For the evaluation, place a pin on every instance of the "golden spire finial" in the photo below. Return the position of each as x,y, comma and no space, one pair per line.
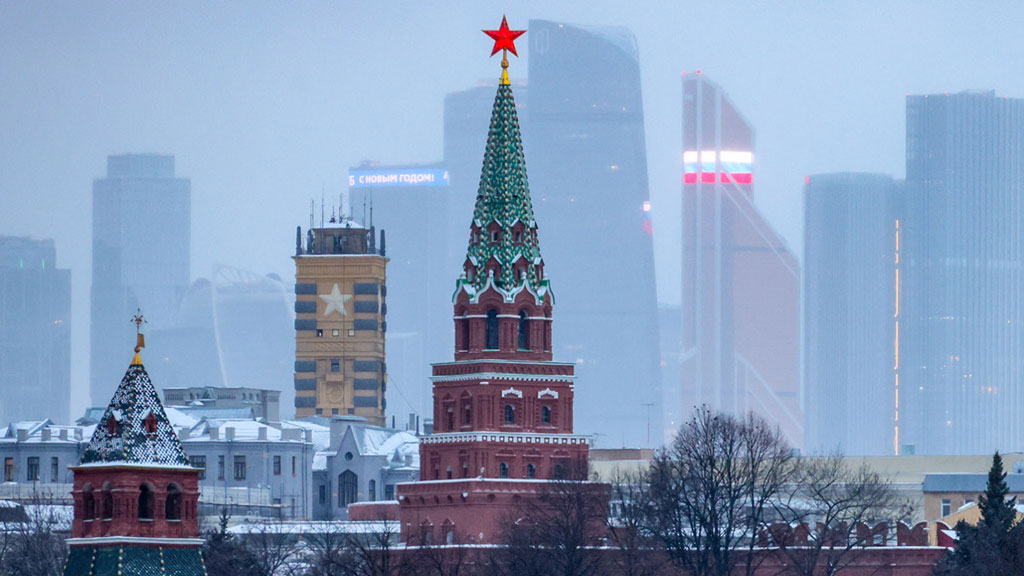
140,338
504,40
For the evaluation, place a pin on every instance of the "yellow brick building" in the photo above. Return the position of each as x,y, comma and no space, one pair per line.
340,309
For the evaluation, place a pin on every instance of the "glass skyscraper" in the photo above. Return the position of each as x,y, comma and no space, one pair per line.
849,308
141,229
740,281
35,332
961,335
585,144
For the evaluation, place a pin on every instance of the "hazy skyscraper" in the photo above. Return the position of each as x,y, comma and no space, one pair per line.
585,144
412,203
740,281
961,337
141,216
849,296
35,332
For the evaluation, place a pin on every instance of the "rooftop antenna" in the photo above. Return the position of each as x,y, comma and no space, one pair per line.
364,207
321,207
311,212
371,209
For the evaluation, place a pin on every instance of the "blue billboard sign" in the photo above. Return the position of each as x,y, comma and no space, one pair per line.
398,177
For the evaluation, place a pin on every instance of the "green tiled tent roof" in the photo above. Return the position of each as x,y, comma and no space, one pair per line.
129,560
503,198
134,401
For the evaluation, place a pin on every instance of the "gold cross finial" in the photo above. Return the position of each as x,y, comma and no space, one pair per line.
140,339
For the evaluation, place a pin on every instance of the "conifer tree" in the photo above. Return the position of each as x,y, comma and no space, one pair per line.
996,545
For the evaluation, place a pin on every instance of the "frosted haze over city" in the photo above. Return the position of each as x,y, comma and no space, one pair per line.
266,107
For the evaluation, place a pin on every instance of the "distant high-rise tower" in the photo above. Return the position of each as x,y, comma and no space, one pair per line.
740,281
141,225
584,127
850,312
412,204
961,337
35,332
340,308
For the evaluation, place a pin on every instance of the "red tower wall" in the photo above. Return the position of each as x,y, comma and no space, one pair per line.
124,484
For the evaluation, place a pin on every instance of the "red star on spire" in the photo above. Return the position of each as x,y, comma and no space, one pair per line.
504,39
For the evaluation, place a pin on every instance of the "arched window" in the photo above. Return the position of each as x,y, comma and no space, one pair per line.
503,469
172,506
107,502
373,490
348,488
448,473
467,413
556,472
465,470
510,414
531,471
88,503
545,415
524,331
492,330
450,417
145,502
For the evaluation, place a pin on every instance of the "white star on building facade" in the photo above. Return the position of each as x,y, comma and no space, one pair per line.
335,301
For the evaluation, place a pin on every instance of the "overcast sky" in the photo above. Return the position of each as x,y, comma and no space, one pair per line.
265,104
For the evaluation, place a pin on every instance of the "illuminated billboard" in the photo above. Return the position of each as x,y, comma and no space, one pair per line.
397,177
736,166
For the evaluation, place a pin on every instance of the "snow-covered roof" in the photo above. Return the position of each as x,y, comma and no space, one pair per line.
321,434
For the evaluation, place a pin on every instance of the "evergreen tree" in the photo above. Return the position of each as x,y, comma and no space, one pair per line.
997,511
225,555
996,545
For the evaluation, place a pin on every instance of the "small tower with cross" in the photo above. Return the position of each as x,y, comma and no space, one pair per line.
135,495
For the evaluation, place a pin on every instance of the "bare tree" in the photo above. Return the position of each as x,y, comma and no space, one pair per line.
710,489
629,529
339,551
557,531
822,510
273,548
448,559
766,466
35,546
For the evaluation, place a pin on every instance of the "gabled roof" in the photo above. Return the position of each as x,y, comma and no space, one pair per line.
121,436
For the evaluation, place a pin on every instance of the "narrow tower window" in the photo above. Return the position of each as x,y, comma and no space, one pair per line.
510,414
145,502
172,508
492,329
545,415
88,503
503,470
524,331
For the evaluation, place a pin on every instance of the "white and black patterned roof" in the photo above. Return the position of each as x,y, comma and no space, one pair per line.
122,437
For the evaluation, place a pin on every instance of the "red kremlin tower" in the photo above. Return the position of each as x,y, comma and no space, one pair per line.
503,421
135,494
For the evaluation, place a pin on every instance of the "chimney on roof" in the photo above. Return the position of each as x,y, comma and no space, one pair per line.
47,434
229,433
214,432
411,426
78,433
22,434
183,433
63,434
261,435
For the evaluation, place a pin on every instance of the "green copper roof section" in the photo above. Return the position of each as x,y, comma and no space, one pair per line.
122,437
132,560
502,201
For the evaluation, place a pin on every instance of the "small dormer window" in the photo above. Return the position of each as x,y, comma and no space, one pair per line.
495,236
518,236
150,424
113,426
